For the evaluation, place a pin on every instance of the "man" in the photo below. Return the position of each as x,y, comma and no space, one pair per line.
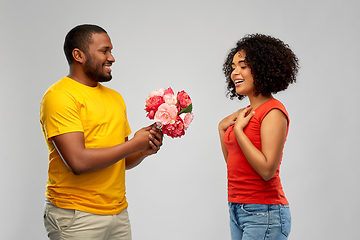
86,130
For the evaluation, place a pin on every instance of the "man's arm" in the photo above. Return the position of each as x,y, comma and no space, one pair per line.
71,147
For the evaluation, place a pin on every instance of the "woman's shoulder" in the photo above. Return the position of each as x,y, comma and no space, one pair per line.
271,104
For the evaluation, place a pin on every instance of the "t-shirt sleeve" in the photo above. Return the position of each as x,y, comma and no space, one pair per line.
59,113
127,125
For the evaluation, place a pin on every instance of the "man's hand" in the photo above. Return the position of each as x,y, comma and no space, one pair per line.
142,138
156,139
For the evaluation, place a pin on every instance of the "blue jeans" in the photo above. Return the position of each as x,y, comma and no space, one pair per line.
258,221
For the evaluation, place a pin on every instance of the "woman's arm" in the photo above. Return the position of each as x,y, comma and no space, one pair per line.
223,148
273,134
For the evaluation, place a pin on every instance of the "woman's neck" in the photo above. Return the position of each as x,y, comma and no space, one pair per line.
256,101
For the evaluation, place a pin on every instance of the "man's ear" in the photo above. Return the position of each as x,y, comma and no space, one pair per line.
78,55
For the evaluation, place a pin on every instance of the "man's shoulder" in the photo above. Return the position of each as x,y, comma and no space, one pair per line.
111,91
61,84
104,88
61,91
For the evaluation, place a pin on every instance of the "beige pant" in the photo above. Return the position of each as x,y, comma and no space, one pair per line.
68,224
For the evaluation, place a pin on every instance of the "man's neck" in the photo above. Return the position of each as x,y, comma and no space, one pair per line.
83,79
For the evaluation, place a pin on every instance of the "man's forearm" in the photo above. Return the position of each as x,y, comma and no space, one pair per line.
134,159
81,160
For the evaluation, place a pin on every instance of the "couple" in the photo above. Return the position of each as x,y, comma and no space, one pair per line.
86,130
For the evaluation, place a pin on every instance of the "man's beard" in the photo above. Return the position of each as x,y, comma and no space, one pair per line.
94,72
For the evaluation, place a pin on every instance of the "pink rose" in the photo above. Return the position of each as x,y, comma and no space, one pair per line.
169,96
169,91
166,114
164,106
151,114
158,92
153,103
170,99
187,119
184,100
174,130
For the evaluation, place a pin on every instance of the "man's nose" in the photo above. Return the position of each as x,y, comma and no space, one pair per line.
111,58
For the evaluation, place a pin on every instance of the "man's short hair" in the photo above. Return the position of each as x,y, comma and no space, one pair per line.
80,37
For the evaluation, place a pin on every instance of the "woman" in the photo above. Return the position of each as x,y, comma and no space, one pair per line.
253,138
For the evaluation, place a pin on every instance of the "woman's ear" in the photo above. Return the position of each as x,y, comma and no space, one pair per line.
78,55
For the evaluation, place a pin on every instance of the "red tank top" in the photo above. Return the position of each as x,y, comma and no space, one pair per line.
245,185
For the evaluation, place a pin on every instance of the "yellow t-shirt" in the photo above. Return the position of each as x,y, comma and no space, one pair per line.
100,113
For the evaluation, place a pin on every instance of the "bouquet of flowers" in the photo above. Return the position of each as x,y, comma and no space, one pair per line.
172,113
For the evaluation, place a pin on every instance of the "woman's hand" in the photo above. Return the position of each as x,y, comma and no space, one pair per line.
243,118
229,120
225,124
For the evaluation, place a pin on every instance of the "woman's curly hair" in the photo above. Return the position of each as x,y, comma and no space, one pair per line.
273,65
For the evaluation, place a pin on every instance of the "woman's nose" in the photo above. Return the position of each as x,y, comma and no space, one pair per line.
236,70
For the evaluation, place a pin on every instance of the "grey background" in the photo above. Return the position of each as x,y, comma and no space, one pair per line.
181,192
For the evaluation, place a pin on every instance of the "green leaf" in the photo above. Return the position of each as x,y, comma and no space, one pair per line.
188,109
